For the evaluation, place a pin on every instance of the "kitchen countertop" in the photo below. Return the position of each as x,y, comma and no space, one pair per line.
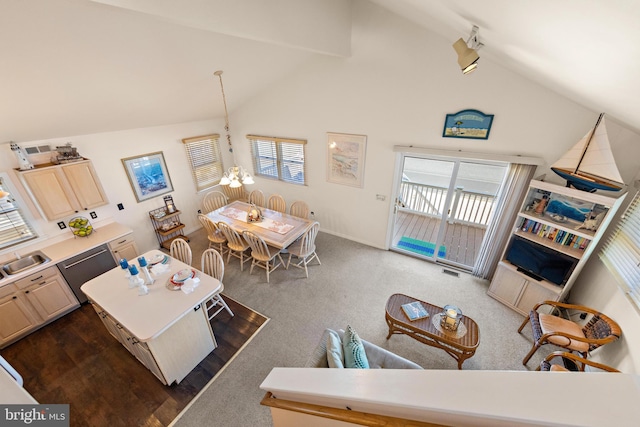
70,247
148,316
11,392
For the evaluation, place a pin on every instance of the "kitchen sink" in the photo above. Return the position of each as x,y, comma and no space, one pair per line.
25,262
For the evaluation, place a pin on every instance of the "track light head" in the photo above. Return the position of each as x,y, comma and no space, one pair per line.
467,55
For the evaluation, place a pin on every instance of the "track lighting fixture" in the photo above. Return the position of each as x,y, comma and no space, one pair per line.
467,51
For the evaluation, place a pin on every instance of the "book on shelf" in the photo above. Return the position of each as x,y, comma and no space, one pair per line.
414,310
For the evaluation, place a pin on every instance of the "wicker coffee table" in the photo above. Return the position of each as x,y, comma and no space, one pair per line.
461,344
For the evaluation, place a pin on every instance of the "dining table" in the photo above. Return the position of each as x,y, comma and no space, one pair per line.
276,228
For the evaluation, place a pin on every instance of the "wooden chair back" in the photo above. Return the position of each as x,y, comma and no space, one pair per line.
181,251
238,193
299,209
214,200
257,198
259,248
308,245
276,203
212,264
235,242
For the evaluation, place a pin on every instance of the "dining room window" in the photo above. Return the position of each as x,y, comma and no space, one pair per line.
205,160
14,225
279,158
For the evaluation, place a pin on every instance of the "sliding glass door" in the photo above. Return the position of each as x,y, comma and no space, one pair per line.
443,207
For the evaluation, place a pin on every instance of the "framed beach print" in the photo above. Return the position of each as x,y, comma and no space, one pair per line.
148,175
345,158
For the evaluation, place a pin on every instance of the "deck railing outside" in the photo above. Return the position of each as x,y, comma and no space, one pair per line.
468,207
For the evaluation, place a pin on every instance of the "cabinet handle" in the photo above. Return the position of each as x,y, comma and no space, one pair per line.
26,292
14,297
121,242
37,278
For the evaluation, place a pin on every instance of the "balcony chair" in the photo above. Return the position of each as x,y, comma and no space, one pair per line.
551,329
181,250
216,237
299,209
213,265
276,203
214,200
236,245
580,363
264,256
257,198
305,249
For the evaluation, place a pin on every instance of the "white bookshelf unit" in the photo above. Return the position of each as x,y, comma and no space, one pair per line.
559,229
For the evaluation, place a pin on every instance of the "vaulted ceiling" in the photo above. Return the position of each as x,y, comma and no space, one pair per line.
72,67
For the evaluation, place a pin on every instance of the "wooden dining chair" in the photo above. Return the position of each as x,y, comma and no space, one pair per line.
276,203
257,198
305,249
214,200
212,264
299,209
216,238
181,250
236,244
238,193
264,256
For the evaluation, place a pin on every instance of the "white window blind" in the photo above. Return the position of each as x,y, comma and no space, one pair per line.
621,253
205,159
14,228
279,158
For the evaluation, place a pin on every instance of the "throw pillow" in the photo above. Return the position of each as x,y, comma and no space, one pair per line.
335,357
354,355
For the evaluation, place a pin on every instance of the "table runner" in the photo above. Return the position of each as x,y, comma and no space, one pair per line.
267,223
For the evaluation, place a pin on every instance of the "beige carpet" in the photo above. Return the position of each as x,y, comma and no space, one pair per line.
350,287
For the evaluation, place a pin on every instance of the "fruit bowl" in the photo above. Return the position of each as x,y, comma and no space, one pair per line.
80,226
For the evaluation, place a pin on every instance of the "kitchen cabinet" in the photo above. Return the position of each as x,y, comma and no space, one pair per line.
64,190
32,302
16,317
556,231
124,247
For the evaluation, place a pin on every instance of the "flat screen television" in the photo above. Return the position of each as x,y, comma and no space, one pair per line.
540,262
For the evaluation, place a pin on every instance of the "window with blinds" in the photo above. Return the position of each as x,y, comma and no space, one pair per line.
279,158
621,253
14,227
205,160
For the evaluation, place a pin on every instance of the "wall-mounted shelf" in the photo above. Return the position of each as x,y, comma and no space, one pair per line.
167,226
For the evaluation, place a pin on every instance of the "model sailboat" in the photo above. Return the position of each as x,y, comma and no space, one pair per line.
589,165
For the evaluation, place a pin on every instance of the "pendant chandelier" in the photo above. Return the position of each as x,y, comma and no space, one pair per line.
235,176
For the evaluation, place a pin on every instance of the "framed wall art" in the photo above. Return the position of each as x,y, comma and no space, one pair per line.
345,158
148,175
472,124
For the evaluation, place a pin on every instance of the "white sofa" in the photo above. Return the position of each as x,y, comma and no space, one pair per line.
378,357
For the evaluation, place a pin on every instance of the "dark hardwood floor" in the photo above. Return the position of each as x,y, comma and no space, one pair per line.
75,360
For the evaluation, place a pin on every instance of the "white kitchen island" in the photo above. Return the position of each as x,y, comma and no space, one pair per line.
168,331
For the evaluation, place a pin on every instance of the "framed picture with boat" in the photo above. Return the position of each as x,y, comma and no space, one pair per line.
148,175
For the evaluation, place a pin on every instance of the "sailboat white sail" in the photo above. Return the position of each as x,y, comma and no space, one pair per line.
589,165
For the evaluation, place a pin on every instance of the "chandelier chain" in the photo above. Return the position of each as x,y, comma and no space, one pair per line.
226,114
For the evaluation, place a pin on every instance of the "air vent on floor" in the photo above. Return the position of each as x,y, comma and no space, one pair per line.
451,272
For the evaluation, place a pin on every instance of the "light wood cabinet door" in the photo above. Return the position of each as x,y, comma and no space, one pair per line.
51,297
52,192
124,247
64,190
16,318
86,186
506,285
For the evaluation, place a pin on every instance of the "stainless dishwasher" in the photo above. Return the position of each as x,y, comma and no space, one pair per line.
84,267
